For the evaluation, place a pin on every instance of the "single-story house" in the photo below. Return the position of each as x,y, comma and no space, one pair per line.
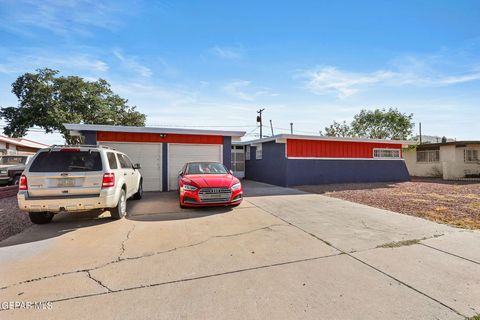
449,160
285,160
161,151
21,146
290,160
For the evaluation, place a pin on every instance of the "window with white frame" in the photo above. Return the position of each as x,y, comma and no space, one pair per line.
428,156
247,153
258,152
386,153
471,155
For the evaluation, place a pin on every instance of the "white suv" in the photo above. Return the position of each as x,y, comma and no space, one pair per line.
78,178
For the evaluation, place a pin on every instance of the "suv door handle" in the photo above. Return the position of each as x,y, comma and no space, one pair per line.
125,174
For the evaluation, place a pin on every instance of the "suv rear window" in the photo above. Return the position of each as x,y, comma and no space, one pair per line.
67,161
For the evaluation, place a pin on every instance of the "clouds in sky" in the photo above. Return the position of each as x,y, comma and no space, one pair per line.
412,71
231,53
132,64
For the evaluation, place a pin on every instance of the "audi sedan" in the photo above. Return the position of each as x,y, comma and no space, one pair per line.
208,184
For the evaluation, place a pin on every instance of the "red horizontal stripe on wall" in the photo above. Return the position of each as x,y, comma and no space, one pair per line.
155,137
334,149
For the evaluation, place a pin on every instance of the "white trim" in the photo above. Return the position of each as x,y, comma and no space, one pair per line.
101,127
387,149
320,158
282,138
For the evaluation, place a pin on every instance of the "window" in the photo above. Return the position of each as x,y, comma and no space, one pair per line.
124,161
258,152
112,160
471,155
67,161
386,153
12,160
247,153
428,156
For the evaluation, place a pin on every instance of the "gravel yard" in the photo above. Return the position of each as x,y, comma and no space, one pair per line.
455,203
12,220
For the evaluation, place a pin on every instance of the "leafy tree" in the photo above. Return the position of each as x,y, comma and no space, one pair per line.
48,100
376,124
382,124
338,129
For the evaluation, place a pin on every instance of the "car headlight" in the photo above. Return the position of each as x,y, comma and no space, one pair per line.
236,186
189,187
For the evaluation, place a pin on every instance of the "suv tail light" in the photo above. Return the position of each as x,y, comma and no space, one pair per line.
22,184
108,180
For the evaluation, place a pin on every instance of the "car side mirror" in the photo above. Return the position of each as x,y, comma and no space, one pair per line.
231,172
180,173
137,166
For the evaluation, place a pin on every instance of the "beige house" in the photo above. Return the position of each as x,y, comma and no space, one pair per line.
14,146
449,160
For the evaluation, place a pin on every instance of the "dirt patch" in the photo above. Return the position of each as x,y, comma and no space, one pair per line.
454,203
12,220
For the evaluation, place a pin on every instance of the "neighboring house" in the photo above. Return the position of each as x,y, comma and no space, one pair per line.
13,146
449,160
291,160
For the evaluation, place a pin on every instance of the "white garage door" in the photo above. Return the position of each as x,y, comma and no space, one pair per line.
179,154
149,155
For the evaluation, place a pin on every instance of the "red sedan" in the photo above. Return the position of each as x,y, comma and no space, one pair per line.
208,184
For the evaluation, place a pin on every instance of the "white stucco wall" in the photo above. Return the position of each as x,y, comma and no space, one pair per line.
420,169
451,164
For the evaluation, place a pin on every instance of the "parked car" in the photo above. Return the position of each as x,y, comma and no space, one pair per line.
78,178
208,184
11,168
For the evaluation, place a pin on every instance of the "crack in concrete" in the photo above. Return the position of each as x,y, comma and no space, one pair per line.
120,259
100,283
194,278
361,261
449,253
406,242
124,242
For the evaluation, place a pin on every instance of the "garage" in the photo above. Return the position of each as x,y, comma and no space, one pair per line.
161,152
179,154
149,155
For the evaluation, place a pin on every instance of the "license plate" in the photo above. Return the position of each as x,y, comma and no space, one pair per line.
212,196
66,182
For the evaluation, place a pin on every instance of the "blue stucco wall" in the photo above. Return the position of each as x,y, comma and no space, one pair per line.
90,137
227,152
271,168
305,172
274,168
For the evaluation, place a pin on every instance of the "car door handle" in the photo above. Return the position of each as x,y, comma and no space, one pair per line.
125,174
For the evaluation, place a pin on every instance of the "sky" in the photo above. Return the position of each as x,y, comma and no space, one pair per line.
212,64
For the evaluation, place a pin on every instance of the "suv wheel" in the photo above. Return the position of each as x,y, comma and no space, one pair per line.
120,210
40,217
139,194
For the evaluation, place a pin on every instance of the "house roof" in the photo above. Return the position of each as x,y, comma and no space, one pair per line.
111,128
281,138
23,142
426,146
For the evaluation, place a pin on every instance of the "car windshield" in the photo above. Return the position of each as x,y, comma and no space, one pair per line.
12,160
67,161
206,168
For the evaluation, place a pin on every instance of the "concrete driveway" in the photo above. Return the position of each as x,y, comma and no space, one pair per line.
282,254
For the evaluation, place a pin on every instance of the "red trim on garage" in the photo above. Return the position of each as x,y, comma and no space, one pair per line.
155,137
334,149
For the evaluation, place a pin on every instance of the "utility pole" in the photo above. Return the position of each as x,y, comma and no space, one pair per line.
420,129
271,127
259,119
291,127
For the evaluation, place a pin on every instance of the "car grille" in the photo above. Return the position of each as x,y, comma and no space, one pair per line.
214,194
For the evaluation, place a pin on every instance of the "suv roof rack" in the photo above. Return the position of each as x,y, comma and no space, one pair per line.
80,146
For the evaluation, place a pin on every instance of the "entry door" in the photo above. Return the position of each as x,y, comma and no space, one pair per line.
149,155
179,154
238,161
